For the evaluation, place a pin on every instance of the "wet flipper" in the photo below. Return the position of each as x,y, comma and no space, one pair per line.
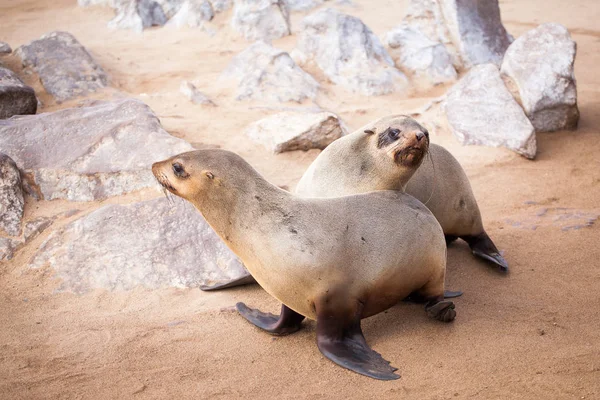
289,321
482,246
441,310
233,283
343,342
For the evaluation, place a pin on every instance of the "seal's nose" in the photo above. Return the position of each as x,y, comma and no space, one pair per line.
420,135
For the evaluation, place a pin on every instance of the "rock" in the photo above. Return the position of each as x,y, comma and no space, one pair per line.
137,15
263,72
5,48
34,227
481,110
154,243
193,13
170,7
7,249
260,19
64,66
197,97
349,53
302,5
221,5
539,64
417,55
88,153
87,3
16,98
476,29
288,131
11,196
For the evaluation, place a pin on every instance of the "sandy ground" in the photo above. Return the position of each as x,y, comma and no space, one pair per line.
532,334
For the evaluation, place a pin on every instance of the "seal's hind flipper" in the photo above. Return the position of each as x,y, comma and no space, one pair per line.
288,322
342,341
236,282
482,246
449,294
441,310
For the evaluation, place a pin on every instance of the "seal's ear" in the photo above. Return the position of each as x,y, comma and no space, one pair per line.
369,131
210,175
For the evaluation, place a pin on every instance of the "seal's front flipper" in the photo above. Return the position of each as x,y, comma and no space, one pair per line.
345,345
482,246
441,310
449,294
288,322
233,283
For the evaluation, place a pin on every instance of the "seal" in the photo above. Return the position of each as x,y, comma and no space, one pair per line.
356,163
333,260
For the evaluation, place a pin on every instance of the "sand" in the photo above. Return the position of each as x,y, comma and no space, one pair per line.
534,334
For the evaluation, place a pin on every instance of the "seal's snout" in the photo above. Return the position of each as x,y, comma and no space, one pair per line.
421,134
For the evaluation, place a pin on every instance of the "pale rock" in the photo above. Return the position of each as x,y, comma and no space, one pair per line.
220,6
5,48
288,131
482,111
16,98
137,15
170,7
265,73
35,227
417,55
154,244
539,64
88,153
476,29
349,53
11,196
302,5
193,14
7,249
64,66
197,97
261,19
87,3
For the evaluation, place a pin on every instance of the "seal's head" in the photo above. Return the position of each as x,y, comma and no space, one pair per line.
192,174
398,144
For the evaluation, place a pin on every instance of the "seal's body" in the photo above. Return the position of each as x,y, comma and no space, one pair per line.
334,260
351,165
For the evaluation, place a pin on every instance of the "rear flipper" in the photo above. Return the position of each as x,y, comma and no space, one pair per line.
289,321
442,310
233,283
482,246
340,339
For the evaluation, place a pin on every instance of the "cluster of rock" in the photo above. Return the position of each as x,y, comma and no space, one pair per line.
534,90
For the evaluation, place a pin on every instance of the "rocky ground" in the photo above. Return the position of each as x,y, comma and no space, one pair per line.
99,275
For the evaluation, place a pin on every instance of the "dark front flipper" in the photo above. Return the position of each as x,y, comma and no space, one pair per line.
288,322
449,294
224,285
342,341
416,297
441,310
482,246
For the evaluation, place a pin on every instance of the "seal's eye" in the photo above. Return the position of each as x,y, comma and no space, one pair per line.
394,133
179,171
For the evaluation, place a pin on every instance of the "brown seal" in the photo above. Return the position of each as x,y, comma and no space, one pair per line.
356,163
334,260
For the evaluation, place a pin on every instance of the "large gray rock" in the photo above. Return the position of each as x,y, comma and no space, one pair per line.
261,19
193,13
16,98
348,52
482,111
288,131
137,15
221,5
476,29
419,56
88,153
5,48
265,73
11,197
539,64
64,66
156,243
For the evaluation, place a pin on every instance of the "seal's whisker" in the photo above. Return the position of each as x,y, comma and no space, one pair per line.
434,176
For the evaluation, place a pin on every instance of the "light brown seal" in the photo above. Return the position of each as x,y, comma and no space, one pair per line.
334,260
357,163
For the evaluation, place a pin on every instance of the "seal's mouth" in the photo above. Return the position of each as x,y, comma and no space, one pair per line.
162,179
410,155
